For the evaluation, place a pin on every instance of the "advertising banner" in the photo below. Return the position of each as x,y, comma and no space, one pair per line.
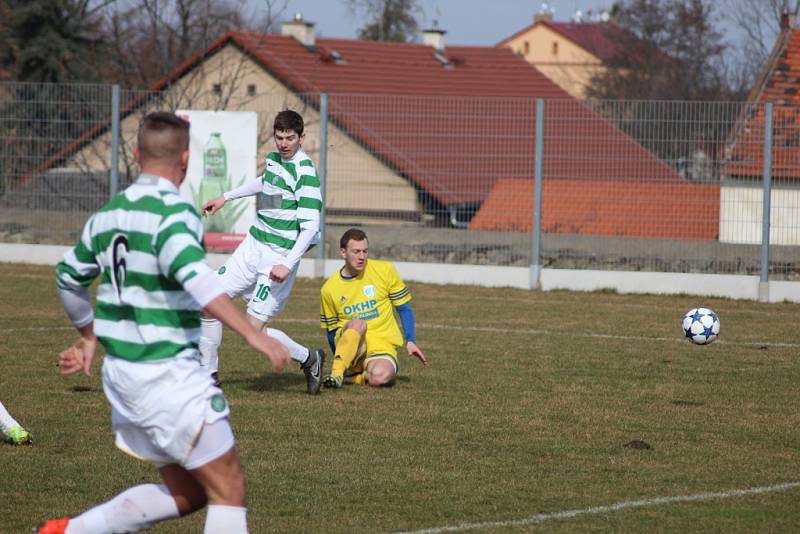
222,157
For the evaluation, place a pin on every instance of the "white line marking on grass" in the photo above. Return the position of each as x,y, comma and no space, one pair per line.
495,330
655,501
573,333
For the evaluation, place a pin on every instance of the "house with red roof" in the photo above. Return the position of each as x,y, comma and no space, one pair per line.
569,53
778,83
417,131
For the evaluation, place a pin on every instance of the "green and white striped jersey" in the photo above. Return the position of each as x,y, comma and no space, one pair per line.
145,244
291,201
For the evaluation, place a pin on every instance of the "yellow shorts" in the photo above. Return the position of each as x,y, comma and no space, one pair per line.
370,348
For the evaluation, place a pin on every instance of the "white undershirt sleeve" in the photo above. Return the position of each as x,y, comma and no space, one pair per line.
253,187
304,240
78,305
204,288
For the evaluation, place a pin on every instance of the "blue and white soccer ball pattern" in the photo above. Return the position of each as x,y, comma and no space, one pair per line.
701,326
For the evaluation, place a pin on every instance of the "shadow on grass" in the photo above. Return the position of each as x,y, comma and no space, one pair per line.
84,389
681,402
288,382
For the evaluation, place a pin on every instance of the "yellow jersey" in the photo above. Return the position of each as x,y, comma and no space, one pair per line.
370,296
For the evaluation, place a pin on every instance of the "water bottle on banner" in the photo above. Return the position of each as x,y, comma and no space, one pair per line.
215,180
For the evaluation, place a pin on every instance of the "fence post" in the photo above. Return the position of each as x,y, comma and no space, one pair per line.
763,284
114,177
536,230
319,265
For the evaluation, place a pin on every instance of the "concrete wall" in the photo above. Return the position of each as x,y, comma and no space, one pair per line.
716,285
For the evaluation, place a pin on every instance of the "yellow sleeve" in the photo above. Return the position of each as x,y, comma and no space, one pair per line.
328,316
398,291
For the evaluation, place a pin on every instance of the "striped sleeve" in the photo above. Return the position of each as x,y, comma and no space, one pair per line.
79,266
308,195
328,317
398,290
178,244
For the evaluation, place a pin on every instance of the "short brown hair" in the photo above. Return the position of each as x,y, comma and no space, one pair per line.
162,136
288,120
354,234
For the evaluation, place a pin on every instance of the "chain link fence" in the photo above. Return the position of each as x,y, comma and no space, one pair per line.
642,186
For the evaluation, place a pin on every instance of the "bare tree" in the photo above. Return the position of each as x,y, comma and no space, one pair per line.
669,64
665,50
150,38
756,24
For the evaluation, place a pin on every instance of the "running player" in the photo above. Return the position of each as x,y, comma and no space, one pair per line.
146,246
263,267
357,308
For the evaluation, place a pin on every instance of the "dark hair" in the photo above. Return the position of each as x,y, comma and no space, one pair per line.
288,120
354,234
162,135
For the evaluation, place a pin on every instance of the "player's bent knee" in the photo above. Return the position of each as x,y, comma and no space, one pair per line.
380,377
381,381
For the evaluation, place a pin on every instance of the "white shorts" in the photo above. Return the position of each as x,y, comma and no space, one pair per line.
246,275
159,408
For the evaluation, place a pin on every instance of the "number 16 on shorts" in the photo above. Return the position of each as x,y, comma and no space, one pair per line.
261,293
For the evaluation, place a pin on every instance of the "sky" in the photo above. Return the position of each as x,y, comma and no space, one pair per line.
467,22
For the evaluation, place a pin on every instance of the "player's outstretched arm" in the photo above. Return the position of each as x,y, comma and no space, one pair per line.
253,187
222,308
409,329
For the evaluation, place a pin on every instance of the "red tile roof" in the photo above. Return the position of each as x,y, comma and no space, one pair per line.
372,67
668,210
778,83
447,128
602,39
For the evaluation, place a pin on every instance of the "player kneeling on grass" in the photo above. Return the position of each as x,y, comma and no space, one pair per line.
357,307
146,246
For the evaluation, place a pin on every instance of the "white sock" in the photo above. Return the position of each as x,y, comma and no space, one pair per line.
225,519
135,509
6,421
210,340
298,352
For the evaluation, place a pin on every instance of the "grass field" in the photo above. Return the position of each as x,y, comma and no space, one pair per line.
519,424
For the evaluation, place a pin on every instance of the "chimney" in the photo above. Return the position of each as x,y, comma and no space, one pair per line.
545,12
434,36
787,21
300,29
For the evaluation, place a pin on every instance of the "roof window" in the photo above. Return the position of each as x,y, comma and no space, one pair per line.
446,63
337,58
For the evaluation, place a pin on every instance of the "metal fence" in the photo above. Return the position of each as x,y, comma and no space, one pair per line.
613,185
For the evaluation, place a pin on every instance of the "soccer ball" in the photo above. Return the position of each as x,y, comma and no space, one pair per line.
701,326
